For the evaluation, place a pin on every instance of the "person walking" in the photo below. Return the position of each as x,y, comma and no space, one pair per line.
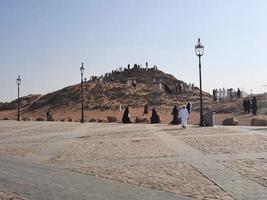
126,116
154,119
183,114
175,113
189,106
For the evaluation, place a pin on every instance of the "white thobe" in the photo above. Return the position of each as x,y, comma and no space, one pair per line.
183,114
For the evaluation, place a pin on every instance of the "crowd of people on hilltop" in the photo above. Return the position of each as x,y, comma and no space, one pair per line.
250,105
175,89
229,94
179,117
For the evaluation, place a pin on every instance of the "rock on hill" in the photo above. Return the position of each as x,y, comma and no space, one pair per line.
113,92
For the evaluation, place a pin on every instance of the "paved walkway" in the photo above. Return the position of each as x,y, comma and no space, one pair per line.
233,183
35,181
206,150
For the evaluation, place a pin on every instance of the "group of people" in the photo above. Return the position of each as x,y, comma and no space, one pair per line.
179,117
154,119
49,116
226,94
182,116
249,105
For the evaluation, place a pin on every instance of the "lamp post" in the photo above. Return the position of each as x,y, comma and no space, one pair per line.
18,81
82,71
199,49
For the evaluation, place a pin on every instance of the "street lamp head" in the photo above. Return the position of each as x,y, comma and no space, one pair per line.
18,80
82,69
199,48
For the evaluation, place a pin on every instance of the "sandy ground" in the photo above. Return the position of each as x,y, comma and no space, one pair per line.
162,157
9,196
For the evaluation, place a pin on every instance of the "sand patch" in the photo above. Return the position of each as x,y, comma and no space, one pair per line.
231,144
112,150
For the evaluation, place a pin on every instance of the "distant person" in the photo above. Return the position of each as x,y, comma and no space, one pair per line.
223,92
214,94
48,116
183,114
254,106
154,81
248,105
154,119
145,109
220,94
245,105
134,83
238,93
126,116
175,113
189,106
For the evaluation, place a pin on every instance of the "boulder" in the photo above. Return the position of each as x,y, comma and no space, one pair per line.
50,119
230,122
69,119
102,120
92,120
258,122
111,119
39,119
141,120
25,119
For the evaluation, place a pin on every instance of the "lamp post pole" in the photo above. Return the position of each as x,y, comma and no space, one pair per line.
82,111
201,123
199,48
18,80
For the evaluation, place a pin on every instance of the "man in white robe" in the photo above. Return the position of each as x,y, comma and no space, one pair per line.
183,114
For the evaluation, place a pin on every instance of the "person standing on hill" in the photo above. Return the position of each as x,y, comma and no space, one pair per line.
254,106
175,113
189,106
126,116
183,114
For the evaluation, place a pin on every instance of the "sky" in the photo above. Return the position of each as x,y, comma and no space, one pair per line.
46,41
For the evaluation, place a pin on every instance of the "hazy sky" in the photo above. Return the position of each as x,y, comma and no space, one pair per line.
46,41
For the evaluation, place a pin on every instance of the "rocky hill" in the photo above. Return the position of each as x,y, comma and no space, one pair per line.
110,91
25,101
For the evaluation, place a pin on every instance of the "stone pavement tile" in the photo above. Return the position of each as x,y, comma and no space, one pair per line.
233,183
255,169
35,181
